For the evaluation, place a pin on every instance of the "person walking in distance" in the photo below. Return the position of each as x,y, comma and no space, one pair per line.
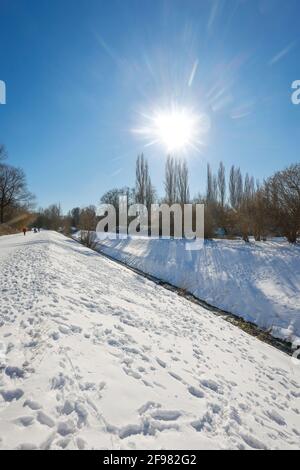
24,230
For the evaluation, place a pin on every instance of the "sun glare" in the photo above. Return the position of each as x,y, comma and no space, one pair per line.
176,129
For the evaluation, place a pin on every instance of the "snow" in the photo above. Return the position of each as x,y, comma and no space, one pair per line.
259,282
98,357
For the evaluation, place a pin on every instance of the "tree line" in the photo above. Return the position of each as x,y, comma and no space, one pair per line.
270,208
236,205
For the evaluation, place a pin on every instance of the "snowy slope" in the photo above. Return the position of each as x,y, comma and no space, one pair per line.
99,357
258,281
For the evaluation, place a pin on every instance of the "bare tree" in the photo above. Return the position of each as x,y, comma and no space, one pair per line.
232,188
144,190
210,185
261,215
171,181
53,217
222,184
249,188
87,225
215,189
142,179
239,187
246,207
183,189
150,194
236,187
13,189
282,193
113,196
75,216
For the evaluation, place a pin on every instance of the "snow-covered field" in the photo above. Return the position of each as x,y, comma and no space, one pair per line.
258,281
98,357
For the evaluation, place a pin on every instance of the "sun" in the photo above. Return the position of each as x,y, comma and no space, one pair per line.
177,129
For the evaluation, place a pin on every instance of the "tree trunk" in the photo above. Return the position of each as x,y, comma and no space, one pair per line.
1,213
292,236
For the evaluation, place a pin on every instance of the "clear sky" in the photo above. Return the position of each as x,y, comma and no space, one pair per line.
81,74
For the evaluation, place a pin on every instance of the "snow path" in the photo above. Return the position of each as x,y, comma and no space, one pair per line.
99,357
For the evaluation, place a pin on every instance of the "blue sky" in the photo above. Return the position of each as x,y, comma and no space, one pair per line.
80,74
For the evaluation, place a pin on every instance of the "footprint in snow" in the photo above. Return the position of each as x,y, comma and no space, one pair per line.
64,330
212,385
11,395
166,415
161,363
25,421
196,392
175,376
148,406
132,373
252,442
63,443
65,428
33,405
274,416
14,372
46,420
27,446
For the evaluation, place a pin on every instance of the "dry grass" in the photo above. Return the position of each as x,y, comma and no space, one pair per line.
6,230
